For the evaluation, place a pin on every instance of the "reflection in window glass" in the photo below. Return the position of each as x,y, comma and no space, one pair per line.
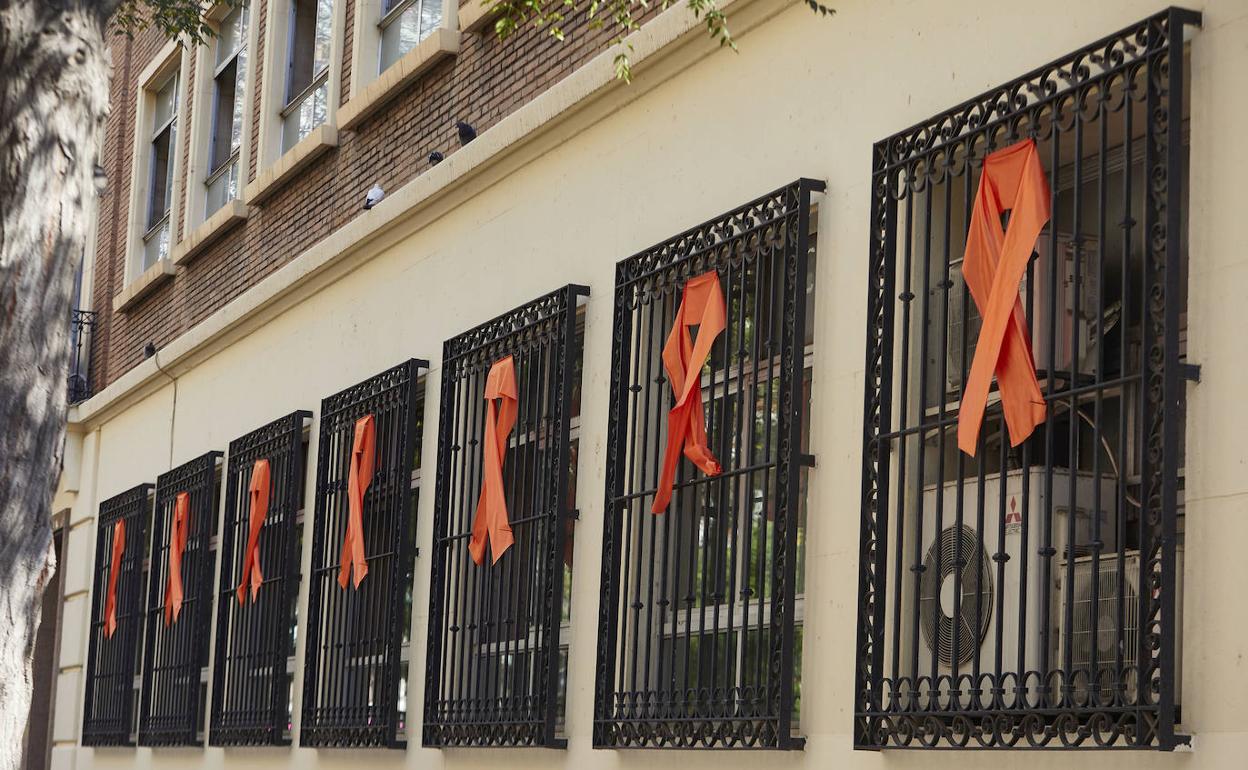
228,87
307,83
404,23
160,181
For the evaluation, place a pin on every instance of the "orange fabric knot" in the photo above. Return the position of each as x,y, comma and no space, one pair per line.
178,531
114,570
491,517
1012,180
363,458
258,497
701,305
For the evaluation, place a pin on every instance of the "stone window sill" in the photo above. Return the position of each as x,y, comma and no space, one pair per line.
213,227
144,284
474,14
293,161
389,84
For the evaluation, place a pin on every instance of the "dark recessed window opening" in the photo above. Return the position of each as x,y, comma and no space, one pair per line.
503,528
702,596
1025,593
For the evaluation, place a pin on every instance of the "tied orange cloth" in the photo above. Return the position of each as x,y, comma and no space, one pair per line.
177,546
258,495
363,457
701,305
114,570
995,262
491,517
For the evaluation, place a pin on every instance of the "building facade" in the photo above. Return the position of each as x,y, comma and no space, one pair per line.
445,405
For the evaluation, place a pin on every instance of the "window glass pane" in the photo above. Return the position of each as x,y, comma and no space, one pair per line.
232,35
402,34
161,176
300,122
324,22
166,104
221,188
225,105
156,246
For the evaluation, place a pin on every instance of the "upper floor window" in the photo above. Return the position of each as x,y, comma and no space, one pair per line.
229,77
162,148
404,23
1023,457
307,76
702,601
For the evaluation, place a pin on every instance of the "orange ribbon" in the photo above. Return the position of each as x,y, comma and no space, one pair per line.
177,546
114,570
491,517
701,305
363,457
258,494
995,262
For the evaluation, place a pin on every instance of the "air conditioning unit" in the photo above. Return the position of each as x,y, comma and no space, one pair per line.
1095,598
1071,305
977,593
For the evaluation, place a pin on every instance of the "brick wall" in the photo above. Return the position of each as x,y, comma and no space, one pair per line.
484,82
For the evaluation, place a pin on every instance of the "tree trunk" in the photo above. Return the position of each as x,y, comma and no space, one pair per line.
54,72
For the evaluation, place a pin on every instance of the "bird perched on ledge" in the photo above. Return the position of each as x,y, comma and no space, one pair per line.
466,132
374,196
435,158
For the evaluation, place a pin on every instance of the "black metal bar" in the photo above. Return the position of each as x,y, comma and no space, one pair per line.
81,326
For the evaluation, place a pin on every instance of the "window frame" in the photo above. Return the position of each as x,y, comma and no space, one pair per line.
171,61
277,164
371,86
203,226
133,506
890,712
547,328
654,278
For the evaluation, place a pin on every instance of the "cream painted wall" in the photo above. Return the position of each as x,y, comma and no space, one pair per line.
699,135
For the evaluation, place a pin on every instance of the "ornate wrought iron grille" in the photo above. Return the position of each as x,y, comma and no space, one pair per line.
171,711
494,661
697,644
1033,594
354,687
81,323
108,707
251,684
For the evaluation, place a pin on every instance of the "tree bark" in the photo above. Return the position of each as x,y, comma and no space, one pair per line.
54,73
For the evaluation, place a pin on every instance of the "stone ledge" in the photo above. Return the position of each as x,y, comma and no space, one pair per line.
144,284
440,44
294,160
213,227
